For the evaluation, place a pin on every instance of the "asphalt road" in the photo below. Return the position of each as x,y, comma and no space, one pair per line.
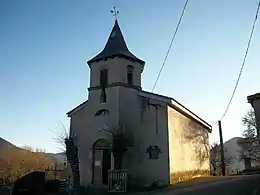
245,185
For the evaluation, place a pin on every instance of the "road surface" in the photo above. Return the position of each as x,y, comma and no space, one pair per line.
235,185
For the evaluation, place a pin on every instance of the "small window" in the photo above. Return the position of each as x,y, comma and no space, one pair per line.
103,97
130,74
103,77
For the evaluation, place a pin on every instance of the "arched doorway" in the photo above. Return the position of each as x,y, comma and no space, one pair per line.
101,161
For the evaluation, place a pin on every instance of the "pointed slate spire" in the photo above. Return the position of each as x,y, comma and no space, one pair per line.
115,47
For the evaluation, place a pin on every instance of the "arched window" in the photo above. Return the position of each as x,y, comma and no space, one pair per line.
101,144
130,70
102,112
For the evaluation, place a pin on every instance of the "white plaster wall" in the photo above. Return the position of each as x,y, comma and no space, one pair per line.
188,146
117,71
232,151
155,169
144,170
86,126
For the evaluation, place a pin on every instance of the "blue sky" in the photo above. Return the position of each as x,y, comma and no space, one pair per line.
44,46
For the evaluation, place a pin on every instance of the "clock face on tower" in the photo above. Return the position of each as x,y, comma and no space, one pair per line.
113,34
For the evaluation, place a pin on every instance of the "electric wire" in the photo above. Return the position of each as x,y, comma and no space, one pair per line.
173,38
243,64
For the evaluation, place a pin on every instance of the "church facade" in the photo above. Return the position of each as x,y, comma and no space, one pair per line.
170,143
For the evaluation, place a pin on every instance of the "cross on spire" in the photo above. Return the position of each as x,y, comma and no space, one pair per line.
114,12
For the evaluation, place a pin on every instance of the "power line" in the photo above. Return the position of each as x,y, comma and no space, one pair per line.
173,38
243,63
214,123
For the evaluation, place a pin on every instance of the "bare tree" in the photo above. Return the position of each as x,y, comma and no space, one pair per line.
66,144
250,145
121,139
60,137
16,162
200,139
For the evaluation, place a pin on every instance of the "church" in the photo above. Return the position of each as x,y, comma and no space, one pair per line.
169,142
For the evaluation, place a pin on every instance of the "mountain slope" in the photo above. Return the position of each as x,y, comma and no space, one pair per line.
58,157
5,143
16,161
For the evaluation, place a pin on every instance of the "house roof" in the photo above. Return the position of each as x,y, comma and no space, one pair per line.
176,105
252,98
168,100
76,109
115,47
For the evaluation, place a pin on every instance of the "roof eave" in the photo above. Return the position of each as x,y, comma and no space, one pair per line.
113,56
252,98
76,109
195,117
173,103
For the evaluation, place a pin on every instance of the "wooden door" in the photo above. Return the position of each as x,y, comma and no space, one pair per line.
97,166
106,165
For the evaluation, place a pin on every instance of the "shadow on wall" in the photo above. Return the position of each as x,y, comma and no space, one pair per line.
199,139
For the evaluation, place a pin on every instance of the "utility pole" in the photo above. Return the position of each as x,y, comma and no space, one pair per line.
223,167
55,170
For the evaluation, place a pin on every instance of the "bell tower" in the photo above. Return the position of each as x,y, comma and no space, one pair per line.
114,66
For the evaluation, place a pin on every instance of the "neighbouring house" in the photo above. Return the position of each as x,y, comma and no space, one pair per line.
236,159
170,141
239,159
232,156
254,100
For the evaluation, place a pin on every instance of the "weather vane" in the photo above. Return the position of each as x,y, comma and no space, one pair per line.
114,12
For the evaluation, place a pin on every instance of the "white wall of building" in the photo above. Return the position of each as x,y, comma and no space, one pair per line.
233,151
188,147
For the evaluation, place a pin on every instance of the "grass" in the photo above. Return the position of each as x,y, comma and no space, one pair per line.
179,176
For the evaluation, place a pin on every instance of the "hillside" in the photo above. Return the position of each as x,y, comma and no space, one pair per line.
16,161
59,157
4,145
